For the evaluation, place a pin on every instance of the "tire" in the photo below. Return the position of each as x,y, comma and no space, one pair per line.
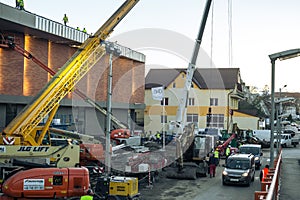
248,184
223,182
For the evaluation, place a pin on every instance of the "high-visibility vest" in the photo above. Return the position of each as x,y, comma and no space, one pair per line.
86,197
21,3
265,172
227,151
216,154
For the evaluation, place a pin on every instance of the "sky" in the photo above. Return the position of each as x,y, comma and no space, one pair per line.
165,31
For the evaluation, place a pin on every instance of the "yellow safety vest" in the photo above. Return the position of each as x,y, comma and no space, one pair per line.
86,197
227,151
216,154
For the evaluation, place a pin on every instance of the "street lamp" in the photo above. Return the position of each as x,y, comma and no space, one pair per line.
279,119
113,51
292,53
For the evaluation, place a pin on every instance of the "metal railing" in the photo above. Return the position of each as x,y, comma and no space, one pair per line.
59,29
270,186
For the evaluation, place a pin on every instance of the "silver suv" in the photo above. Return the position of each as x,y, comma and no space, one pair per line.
239,169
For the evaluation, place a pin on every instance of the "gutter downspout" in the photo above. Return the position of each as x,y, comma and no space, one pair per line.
228,95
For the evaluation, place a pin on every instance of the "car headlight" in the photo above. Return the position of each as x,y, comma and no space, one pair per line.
256,158
245,174
225,173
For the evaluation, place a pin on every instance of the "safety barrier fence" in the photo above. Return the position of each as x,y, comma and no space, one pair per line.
59,29
270,186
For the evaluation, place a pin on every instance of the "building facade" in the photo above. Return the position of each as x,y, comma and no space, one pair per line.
53,44
212,102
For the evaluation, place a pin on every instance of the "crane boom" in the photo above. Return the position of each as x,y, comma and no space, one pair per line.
181,111
64,80
11,44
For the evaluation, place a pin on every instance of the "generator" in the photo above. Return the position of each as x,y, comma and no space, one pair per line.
117,187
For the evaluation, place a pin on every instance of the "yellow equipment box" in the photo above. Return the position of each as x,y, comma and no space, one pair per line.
123,186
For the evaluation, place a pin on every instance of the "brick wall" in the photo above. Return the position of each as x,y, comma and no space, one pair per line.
11,68
15,74
34,76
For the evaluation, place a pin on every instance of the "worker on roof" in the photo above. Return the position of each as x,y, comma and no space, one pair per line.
21,4
65,19
88,196
84,30
17,4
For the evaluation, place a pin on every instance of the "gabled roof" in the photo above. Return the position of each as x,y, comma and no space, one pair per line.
205,78
161,77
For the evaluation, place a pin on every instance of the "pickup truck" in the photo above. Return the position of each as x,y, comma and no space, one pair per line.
286,140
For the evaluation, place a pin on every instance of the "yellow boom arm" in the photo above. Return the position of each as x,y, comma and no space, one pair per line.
64,80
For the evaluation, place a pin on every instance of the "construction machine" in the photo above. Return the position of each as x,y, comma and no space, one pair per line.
185,133
22,139
66,183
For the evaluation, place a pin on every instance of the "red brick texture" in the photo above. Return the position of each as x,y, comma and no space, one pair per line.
17,72
11,69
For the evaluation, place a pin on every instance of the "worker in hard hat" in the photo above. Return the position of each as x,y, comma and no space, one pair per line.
227,153
212,163
65,19
21,4
217,155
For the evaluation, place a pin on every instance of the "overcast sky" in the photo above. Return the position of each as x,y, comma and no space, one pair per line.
259,28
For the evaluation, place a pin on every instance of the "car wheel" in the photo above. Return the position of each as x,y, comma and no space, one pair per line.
223,182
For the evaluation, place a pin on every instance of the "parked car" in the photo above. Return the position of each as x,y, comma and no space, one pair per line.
239,169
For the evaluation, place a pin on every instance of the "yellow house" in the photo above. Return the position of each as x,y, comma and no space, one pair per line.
212,102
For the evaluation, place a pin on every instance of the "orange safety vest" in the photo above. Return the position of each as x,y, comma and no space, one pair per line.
265,172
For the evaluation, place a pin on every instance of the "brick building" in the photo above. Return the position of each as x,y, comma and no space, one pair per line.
53,44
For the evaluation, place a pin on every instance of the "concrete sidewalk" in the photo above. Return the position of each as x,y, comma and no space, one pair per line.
290,175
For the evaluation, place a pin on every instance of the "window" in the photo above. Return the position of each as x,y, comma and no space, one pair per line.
78,183
57,180
191,102
166,99
163,119
192,118
174,85
213,102
11,112
215,121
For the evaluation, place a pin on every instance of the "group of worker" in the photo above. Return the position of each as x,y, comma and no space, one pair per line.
20,4
214,162
214,159
66,20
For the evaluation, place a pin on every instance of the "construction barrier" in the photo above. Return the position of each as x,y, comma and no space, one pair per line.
270,186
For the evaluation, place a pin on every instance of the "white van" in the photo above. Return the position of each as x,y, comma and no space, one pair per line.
264,135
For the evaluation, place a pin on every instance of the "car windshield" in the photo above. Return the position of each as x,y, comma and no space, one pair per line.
238,164
248,150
